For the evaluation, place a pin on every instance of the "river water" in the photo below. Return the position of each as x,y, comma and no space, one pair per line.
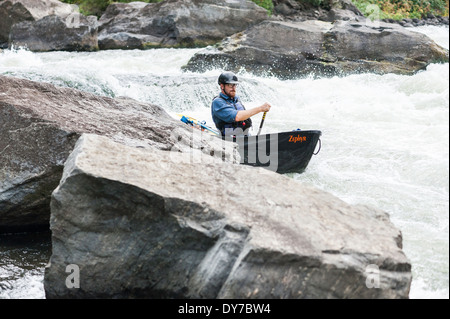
385,141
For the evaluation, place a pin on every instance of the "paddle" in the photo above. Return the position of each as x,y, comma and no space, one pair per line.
262,122
192,121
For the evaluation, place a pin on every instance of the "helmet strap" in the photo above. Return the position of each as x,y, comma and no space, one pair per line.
222,88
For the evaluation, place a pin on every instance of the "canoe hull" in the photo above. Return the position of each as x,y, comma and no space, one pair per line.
285,152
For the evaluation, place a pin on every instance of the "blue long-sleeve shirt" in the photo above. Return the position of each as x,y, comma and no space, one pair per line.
224,110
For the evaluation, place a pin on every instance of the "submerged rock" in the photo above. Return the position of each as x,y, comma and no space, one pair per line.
39,125
135,223
322,49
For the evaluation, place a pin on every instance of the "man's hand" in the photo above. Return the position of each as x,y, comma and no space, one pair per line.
243,115
265,107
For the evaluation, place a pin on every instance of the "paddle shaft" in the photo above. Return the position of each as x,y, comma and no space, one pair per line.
262,122
209,129
192,121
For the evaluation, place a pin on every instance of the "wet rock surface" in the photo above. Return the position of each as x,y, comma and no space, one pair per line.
322,49
147,224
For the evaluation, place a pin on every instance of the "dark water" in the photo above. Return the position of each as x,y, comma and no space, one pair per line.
23,258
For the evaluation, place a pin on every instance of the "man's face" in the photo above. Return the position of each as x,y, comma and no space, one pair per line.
229,89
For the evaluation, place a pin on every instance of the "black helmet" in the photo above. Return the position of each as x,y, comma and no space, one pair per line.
228,78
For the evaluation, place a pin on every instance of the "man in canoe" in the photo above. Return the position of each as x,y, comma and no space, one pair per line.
228,113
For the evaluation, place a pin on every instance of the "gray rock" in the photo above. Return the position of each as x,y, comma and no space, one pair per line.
283,9
127,40
381,48
39,125
321,48
53,33
344,5
15,11
175,23
328,10
341,14
148,224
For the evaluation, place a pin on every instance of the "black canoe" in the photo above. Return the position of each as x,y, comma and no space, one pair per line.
285,152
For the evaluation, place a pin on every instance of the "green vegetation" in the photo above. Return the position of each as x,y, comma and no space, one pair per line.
400,9
377,9
266,4
97,7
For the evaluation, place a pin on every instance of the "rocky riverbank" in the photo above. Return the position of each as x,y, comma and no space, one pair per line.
428,20
241,35
292,10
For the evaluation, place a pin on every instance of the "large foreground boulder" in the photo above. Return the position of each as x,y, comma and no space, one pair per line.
133,223
39,125
15,11
179,23
321,48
